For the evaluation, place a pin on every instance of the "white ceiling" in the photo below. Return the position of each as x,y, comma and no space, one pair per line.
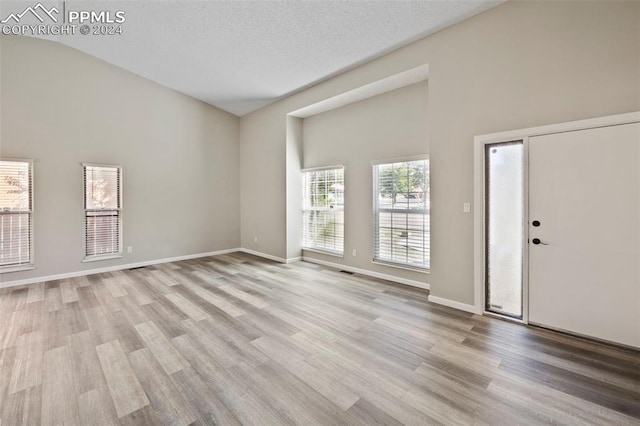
242,55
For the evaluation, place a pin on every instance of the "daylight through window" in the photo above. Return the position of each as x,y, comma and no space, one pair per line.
103,206
16,214
401,213
324,210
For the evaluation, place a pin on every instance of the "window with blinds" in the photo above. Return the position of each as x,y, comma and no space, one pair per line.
16,214
323,210
103,208
401,213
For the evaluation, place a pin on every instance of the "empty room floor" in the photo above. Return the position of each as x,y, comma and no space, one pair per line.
235,339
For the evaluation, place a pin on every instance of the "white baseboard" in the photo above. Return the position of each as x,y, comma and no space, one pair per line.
74,274
270,256
373,274
412,283
453,304
26,281
265,255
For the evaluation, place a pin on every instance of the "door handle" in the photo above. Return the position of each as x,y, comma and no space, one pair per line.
537,241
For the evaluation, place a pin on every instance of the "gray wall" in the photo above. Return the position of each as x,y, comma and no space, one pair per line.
386,126
180,157
294,187
518,65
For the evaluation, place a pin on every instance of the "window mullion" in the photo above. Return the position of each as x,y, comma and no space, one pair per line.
321,230
16,214
393,180
103,211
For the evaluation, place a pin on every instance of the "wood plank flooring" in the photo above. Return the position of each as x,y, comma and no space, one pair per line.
236,339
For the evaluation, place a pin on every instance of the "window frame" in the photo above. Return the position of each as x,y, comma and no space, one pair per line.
106,256
322,250
375,211
4,269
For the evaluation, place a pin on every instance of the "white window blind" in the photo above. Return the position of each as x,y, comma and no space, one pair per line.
323,211
16,215
102,205
401,213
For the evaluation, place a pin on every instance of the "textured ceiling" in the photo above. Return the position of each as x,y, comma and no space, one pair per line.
242,55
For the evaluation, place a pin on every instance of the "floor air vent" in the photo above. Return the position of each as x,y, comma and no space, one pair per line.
347,272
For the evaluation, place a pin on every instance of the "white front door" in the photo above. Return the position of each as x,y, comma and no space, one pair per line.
584,271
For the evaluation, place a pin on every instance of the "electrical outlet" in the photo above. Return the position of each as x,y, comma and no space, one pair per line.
353,253
255,239
129,249
466,207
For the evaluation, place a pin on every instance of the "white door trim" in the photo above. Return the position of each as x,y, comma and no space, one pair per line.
525,234
479,190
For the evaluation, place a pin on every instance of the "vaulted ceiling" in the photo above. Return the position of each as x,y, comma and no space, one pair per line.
241,55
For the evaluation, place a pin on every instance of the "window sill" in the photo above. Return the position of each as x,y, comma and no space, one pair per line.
405,267
8,269
325,252
105,257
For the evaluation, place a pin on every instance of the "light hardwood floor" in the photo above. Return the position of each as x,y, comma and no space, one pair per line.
235,339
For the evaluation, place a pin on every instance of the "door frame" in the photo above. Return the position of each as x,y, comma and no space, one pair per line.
479,219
